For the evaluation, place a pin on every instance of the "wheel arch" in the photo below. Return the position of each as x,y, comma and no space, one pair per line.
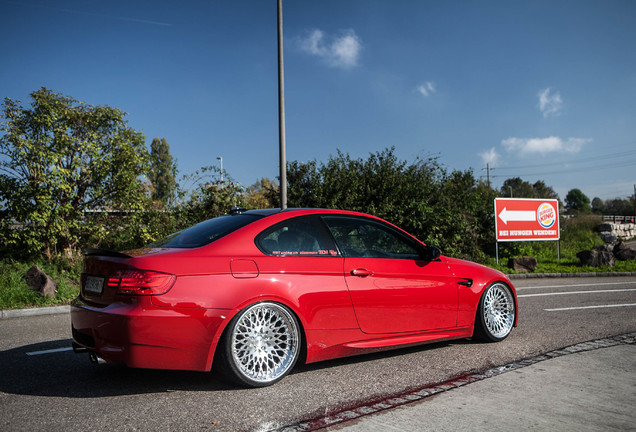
222,331
482,293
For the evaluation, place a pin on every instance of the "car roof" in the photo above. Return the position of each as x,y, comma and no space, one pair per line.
307,210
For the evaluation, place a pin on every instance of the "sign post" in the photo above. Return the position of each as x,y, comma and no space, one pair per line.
522,219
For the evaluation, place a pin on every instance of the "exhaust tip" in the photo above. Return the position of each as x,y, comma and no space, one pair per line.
78,349
95,359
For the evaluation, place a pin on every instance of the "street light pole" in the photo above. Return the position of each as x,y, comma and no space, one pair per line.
220,158
281,112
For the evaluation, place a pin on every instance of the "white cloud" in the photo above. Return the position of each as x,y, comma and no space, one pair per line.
490,157
426,89
544,145
550,104
342,51
313,43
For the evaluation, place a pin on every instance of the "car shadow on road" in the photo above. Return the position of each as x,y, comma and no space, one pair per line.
51,369
374,356
28,371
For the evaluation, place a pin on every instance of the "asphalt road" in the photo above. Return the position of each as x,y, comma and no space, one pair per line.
43,388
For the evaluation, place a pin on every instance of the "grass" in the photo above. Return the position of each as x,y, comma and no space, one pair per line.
16,294
566,265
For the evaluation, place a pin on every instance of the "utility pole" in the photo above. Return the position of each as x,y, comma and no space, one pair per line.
487,174
634,220
281,112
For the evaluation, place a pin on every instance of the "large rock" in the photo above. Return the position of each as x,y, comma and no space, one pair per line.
600,256
608,237
610,231
623,252
523,264
40,282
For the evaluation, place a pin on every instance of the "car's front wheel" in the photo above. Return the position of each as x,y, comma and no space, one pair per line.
496,313
261,345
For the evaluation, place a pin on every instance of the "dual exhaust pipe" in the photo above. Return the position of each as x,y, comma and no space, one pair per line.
92,356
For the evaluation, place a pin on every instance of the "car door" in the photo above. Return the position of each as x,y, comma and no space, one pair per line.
301,262
392,288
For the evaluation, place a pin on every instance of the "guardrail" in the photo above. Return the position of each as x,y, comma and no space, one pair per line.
619,219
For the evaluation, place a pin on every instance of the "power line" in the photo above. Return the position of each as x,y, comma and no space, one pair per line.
572,170
576,161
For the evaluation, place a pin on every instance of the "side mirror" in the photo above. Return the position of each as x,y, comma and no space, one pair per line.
431,253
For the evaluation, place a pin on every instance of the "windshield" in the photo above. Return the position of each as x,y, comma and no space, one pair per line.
206,232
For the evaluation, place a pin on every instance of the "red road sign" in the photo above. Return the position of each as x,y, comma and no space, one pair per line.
521,219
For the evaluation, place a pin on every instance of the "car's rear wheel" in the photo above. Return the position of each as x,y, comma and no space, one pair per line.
495,314
261,345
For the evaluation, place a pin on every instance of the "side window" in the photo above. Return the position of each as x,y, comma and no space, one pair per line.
358,237
302,236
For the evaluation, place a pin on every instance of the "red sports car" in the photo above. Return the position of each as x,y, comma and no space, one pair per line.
252,292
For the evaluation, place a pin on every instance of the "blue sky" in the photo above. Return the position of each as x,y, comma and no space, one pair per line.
543,90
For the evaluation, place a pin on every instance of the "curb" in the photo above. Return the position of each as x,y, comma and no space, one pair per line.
566,275
18,313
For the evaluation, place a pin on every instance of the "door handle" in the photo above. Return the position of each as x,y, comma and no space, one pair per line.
361,272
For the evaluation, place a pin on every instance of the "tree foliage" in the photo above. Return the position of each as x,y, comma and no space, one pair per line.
62,159
163,172
577,201
451,210
517,188
616,206
262,194
210,197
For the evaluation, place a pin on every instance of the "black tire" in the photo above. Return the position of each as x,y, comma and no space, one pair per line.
260,345
496,313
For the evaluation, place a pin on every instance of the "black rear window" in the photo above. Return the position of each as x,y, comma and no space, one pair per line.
206,232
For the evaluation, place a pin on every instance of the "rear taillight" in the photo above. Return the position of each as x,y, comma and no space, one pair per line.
141,282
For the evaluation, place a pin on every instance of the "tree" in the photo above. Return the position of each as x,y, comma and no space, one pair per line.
163,171
597,205
63,159
259,195
518,188
619,207
210,197
577,201
452,211
541,190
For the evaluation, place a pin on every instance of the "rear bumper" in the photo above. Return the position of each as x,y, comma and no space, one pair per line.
145,336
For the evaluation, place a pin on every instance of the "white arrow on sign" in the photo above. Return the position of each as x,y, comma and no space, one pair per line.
517,216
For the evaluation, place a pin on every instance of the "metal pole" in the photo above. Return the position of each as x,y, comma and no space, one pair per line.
281,111
220,158
497,251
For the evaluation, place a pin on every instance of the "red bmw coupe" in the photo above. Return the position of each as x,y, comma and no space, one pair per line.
252,292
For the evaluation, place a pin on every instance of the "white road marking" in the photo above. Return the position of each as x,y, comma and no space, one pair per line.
51,351
578,285
590,307
576,292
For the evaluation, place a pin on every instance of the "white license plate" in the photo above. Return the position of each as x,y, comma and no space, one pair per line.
94,285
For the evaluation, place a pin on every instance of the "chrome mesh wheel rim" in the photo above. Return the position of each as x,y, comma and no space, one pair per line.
265,342
499,310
